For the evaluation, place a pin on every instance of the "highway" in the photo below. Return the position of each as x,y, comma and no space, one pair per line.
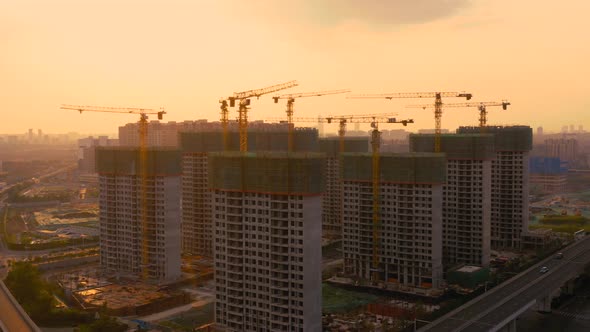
493,307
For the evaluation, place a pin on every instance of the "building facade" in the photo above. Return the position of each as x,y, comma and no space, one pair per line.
197,225
139,216
166,134
267,216
409,241
564,149
510,183
332,201
87,154
466,195
548,175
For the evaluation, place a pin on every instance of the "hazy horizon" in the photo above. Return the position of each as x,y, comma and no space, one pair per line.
185,55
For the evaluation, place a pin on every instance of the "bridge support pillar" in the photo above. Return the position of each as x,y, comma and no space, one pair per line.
544,304
512,326
509,327
569,286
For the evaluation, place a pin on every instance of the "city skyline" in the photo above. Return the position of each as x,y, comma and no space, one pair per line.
163,54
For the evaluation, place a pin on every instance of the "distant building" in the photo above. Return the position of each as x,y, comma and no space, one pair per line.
562,148
268,256
407,238
540,131
139,235
510,183
394,141
86,152
332,200
166,134
466,215
548,174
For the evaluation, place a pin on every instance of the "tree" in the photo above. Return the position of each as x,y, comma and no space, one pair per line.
104,324
28,288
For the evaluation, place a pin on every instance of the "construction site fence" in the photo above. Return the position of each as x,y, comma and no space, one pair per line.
271,172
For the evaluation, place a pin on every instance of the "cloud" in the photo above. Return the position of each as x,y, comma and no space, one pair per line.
383,12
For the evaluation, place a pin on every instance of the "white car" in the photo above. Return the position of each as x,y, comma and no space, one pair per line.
544,269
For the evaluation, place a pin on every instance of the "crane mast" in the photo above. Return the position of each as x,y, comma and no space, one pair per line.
437,105
376,216
243,99
143,170
224,123
374,120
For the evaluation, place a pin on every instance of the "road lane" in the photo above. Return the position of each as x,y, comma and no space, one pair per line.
480,306
530,293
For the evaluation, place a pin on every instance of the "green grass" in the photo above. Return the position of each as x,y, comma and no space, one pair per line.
564,228
563,224
558,219
193,318
338,300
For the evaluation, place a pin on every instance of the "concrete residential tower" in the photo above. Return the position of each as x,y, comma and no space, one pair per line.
197,224
121,213
466,214
409,248
510,183
332,202
268,258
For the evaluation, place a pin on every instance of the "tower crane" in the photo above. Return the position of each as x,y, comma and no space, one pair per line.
437,105
291,100
373,120
481,106
143,127
376,181
243,99
343,120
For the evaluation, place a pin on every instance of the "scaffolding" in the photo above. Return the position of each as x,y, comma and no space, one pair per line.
125,161
410,168
267,172
456,146
506,138
331,145
304,140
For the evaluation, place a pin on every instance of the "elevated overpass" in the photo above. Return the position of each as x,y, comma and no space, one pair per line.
12,315
498,309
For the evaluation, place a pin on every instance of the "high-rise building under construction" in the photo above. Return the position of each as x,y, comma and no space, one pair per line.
510,183
405,242
197,225
139,215
332,201
466,212
267,216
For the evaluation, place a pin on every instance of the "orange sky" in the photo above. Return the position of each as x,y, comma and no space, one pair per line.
184,55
